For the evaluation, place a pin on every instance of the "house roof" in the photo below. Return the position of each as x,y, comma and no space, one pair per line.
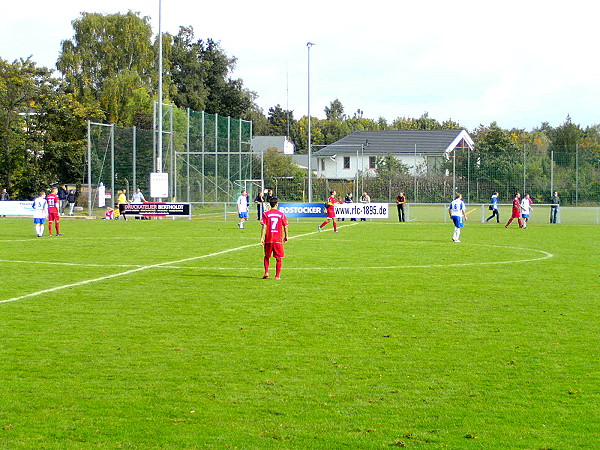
261,144
432,142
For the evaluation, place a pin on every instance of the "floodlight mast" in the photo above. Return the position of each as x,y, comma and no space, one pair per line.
160,91
308,46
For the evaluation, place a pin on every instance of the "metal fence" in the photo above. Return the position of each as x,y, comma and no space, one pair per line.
207,157
574,174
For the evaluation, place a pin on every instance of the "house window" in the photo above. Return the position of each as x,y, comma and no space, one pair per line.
372,162
346,162
322,165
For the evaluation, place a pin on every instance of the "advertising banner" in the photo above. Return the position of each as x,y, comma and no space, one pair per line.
342,210
303,209
362,210
157,209
16,208
159,185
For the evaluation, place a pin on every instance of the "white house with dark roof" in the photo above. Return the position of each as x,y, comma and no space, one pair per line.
423,151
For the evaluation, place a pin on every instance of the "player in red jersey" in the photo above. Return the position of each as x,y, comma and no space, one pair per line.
53,216
516,211
274,233
331,211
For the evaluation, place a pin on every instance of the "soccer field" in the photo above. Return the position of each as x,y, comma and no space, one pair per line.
162,334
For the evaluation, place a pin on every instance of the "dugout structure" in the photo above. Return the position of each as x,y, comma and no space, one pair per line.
208,157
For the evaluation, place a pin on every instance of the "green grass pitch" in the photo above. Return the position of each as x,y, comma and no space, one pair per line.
162,334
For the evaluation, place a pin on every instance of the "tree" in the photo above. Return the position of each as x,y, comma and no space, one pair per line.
335,111
564,141
42,129
189,71
226,96
390,168
109,57
280,120
17,87
497,154
280,169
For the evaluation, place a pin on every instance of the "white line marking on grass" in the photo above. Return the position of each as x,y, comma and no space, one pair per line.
141,268
545,255
61,263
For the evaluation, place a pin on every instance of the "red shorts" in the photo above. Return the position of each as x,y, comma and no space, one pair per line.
275,249
516,214
330,213
53,216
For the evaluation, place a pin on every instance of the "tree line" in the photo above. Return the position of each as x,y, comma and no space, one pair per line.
107,72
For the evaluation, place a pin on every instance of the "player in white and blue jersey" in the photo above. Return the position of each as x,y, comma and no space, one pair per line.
40,212
526,209
457,211
242,208
494,208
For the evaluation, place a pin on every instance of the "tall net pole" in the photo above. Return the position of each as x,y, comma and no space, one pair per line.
160,90
308,46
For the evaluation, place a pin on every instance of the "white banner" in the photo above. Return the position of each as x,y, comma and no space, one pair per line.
159,185
361,210
16,208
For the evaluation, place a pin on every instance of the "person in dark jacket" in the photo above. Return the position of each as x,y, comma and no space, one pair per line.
554,208
71,201
62,197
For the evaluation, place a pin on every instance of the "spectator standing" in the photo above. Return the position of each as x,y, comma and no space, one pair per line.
400,202
62,198
554,208
138,197
349,199
494,208
260,201
4,197
71,201
516,211
364,198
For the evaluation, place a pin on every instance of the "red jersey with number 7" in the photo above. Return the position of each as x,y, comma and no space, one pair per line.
274,221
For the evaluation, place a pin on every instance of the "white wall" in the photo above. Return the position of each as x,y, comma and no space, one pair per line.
334,169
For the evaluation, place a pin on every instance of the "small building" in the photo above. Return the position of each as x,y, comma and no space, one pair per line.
261,144
422,151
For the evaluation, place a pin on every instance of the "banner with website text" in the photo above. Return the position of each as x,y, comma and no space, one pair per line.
342,210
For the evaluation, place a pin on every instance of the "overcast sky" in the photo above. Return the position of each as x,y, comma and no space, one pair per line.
519,63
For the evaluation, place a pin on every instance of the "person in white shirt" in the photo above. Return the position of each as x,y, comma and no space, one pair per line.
40,212
364,198
526,209
138,197
457,211
242,208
